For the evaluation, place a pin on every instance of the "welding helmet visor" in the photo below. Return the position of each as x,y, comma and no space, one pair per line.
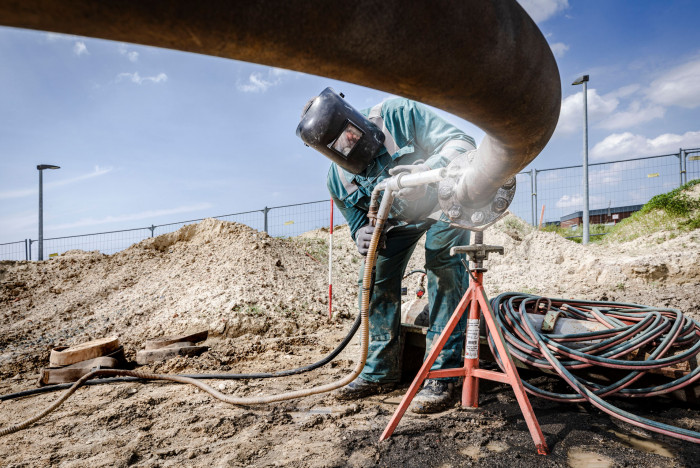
340,132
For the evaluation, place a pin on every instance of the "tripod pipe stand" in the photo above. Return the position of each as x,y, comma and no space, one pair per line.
477,303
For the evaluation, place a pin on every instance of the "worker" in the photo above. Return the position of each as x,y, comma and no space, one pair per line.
395,136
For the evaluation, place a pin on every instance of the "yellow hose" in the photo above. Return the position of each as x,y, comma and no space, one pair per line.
364,343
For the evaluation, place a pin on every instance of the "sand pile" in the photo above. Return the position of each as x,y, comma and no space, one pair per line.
218,275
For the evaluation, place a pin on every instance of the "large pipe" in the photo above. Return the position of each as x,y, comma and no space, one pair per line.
485,61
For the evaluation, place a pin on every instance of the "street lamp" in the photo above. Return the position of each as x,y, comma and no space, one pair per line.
41,168
584,80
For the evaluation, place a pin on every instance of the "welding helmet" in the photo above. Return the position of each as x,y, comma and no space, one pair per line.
340,132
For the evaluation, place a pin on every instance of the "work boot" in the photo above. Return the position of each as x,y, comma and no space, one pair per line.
435,396
360,388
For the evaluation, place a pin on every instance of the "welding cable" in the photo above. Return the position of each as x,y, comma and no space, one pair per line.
383,213
630,330
412,272
226,376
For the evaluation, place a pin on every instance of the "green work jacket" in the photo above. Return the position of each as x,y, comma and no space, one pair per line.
419,133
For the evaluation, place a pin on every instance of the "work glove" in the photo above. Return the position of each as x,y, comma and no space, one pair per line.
364,237
411,193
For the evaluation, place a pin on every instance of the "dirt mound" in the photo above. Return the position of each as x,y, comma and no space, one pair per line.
218,275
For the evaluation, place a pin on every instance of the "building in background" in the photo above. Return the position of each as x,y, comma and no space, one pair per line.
601,216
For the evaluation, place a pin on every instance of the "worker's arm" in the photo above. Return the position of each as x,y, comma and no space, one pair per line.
355,217
438,138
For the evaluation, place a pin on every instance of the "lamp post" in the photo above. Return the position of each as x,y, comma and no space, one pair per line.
584,80
41,168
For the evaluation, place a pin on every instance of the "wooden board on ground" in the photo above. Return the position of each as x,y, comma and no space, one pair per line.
176,349
163,341
70,355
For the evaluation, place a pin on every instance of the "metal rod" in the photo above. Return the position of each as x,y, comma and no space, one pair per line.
586,218
40,255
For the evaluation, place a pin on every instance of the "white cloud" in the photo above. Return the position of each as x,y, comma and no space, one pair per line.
634,115
54,37
79,48
26,192
132,55
678,87
630,145
612,174
559,49
261,82
542,10
149,214
138,79
576,201
625,91
79,45
571,116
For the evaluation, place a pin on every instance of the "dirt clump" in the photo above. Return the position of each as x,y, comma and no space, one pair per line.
264,301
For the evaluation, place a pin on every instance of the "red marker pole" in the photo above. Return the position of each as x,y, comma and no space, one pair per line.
330,267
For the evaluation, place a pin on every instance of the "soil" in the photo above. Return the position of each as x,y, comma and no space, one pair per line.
265,303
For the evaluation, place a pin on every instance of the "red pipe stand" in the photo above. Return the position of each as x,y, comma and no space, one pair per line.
476,302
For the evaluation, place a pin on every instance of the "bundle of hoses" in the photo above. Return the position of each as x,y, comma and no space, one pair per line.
634,340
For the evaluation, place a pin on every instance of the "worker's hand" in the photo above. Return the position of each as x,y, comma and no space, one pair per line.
411,193
364,237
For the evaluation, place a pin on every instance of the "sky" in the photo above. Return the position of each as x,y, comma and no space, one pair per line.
151,136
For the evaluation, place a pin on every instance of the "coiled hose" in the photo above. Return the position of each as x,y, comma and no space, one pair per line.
630,330
364,337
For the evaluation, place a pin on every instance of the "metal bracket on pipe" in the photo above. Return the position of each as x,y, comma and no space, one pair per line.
474,218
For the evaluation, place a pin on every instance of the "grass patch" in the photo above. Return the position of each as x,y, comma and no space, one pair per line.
667,213
576,234
677,202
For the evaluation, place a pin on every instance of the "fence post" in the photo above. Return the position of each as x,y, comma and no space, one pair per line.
26,249
152,228
680,161
533,199
30,249
265,211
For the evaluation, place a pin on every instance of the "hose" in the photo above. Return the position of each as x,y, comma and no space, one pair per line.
380,217
300,370
630,330
412,272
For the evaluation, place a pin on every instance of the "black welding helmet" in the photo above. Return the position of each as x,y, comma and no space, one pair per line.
340,132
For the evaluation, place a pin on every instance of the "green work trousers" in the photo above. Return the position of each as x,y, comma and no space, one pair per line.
447,283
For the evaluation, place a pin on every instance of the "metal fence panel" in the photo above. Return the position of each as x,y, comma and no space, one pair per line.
292,220
13,250
521,205
254,219
104,242
612,184
692,164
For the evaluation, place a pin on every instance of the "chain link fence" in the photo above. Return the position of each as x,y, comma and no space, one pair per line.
278,221
555,192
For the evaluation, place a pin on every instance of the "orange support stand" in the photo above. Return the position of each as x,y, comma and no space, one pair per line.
477,303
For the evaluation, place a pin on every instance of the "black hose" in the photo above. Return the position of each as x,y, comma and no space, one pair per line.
412,272
300,370
631,330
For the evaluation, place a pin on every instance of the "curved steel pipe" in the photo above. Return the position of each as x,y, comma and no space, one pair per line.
484,61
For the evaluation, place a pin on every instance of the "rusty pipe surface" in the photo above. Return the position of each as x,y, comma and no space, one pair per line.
485,61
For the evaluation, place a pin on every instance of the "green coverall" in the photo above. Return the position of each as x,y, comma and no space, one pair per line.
419,133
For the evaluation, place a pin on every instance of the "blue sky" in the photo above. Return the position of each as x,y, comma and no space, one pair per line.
150,136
